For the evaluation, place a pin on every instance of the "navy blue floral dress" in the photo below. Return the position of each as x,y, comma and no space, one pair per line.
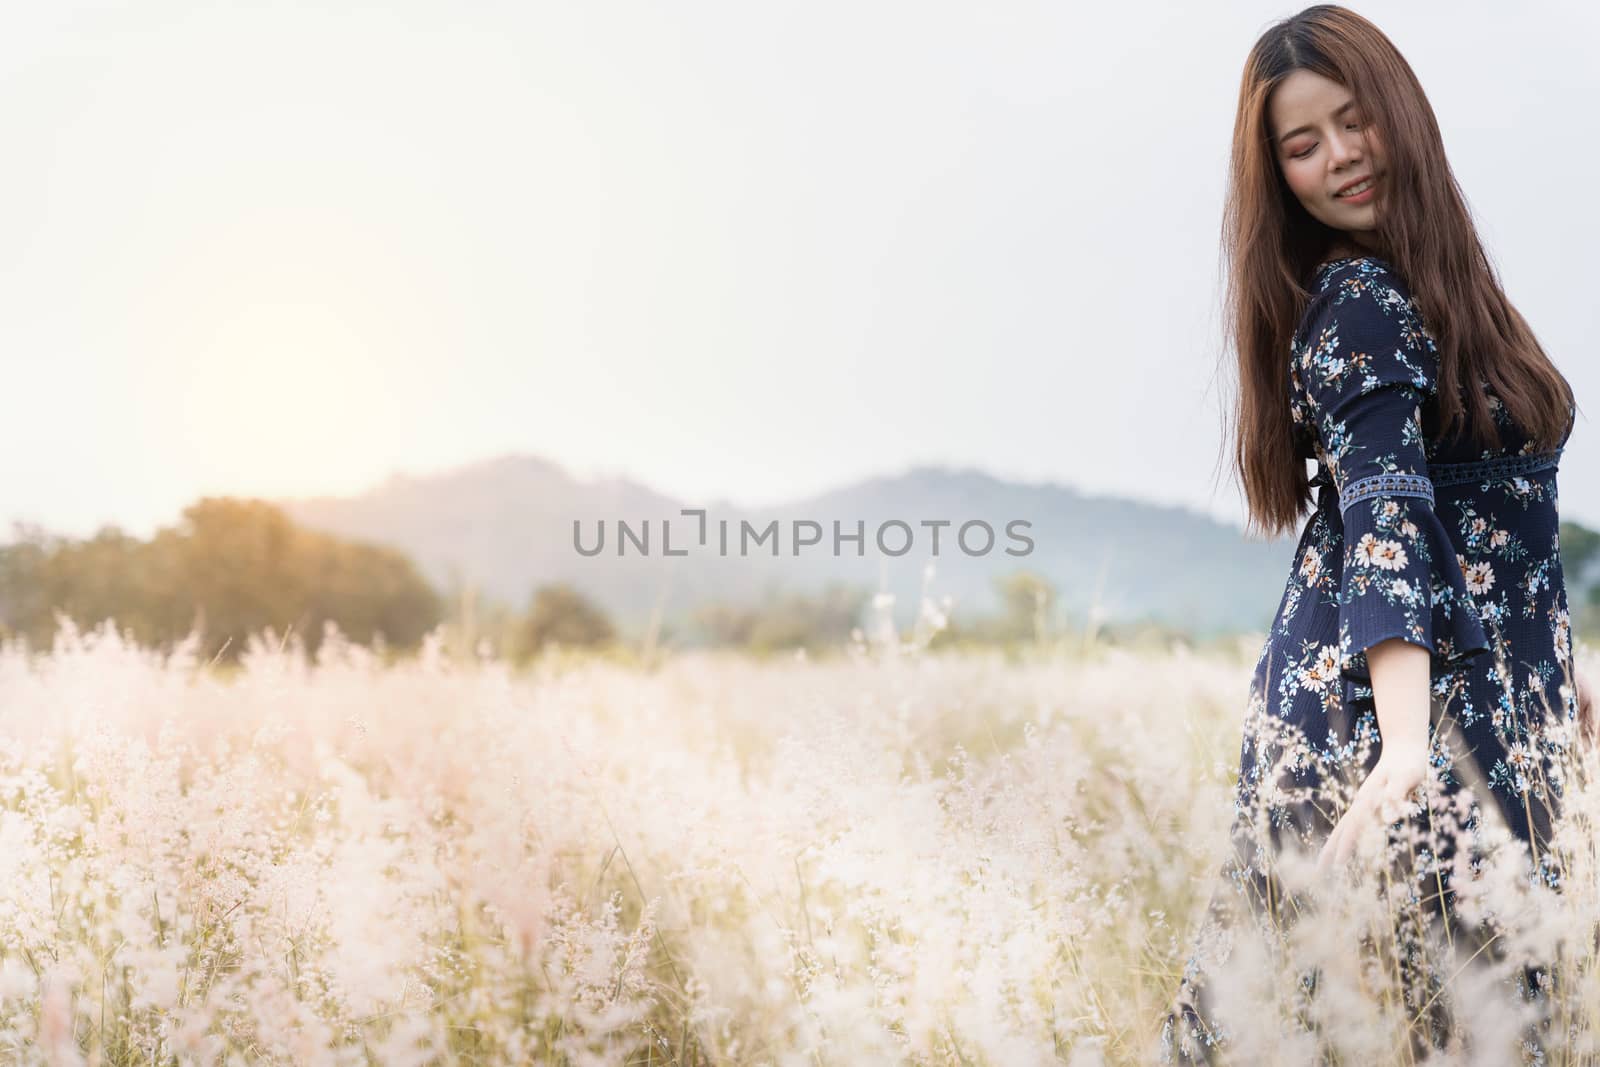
1467,566
1439,542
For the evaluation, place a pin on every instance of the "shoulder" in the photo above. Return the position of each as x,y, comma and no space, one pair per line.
1362,325
1353,271
1360,289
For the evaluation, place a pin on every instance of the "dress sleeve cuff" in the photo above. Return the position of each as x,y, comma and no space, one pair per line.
1402,578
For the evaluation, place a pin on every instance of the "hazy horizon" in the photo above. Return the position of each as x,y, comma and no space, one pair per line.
731,253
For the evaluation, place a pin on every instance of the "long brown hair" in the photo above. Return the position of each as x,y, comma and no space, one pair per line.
1271,244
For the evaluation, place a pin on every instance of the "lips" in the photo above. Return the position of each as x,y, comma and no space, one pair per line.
1347,186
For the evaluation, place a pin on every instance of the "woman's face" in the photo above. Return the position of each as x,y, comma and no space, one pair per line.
1323,143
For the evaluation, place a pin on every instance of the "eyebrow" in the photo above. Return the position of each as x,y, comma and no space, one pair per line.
1340,110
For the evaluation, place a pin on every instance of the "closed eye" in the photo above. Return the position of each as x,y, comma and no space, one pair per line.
1308,151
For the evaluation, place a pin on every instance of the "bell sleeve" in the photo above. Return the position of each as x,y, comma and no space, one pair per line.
1366,368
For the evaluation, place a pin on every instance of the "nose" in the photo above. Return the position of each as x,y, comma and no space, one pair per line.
1344,149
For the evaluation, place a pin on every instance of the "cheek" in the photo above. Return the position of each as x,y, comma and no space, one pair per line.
1375,146
1301,181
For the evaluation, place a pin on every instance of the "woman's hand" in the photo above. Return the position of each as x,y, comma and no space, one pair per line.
1384,797
1588,728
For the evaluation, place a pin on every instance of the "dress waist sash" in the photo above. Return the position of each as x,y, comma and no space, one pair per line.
1482,470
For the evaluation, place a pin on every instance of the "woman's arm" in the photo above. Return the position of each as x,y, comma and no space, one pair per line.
1366,368
1400,688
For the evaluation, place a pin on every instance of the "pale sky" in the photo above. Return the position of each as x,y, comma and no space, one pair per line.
731,250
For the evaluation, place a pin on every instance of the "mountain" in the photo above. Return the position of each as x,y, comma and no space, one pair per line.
506,525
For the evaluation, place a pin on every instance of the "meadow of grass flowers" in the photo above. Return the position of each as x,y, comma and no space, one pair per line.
886,856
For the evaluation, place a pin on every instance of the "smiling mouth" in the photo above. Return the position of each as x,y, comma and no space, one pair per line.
1357,189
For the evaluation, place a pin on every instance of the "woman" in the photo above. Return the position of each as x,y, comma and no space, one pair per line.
1426,607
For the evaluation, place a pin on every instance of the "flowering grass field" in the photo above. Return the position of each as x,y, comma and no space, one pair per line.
884,857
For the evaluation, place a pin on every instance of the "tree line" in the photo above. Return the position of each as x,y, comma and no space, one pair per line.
232,568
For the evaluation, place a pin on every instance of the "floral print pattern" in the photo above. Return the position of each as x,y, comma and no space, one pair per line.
1470,572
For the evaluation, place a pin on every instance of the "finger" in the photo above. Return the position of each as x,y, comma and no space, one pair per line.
1325,857
1341,856
1336,849
1325,864
1362,807
1396,808
1322,853
1360,813
1350,844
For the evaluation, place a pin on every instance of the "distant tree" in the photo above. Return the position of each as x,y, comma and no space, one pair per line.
478,620
248,566
1027,605
232,568
780,620
1580,547
560,614
24,599
722,624
809,622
